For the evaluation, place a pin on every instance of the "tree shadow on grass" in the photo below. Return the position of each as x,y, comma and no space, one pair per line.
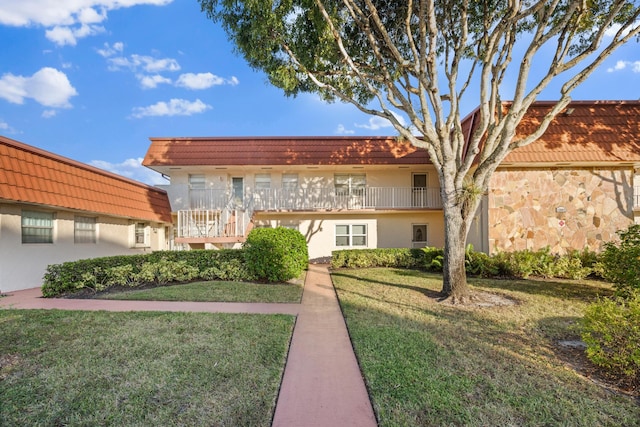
419,365
558,288
412,273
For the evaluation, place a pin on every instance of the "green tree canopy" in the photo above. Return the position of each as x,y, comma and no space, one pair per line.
412,62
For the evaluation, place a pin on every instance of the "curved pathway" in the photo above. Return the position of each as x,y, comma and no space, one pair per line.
322,384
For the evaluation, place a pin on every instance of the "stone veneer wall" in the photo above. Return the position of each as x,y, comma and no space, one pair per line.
526,208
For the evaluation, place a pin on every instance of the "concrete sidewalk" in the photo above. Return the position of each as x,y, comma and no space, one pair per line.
32,299
322,383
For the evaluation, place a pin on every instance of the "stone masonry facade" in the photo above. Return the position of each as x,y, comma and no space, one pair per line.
563,209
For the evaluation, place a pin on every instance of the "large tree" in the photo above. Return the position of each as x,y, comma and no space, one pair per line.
417,59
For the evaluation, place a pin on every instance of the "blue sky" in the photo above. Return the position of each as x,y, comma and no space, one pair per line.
94,79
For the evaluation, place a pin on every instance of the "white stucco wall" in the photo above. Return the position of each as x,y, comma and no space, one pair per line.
22,265
384,230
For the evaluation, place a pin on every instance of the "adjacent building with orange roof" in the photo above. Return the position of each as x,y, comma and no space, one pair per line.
573,188
54,209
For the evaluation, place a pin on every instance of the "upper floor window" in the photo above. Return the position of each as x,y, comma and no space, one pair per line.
84,230
289,181
196,182
350,184
263,181
37,227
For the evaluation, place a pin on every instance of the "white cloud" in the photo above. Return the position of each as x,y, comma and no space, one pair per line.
151,82
4,127
114,49
47,114
175,107
341,130
48,86
145,63
621,65
203,81
613,30
131,168
65,21
377,123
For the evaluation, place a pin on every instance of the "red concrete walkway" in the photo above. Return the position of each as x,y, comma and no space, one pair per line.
322,384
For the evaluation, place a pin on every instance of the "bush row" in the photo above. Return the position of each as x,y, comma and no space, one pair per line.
269,254
521,264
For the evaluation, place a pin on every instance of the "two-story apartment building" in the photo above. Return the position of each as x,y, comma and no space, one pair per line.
574,188
338,192
54,209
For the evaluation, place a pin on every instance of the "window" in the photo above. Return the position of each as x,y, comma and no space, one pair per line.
419,235
196,182
290,181
37,227
351,235
350,184
263,181
84,230
141,234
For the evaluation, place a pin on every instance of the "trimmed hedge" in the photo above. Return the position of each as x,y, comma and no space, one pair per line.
521,264
133,270
271,255
276,254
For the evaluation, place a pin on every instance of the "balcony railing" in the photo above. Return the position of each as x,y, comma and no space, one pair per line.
275,199
200,224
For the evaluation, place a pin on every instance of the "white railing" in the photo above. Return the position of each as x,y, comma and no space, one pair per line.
207,223
636,197
322,198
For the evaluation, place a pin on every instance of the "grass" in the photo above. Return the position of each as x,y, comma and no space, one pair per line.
218,291
135,369
427,363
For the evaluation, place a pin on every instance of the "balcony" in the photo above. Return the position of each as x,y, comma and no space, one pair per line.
312,199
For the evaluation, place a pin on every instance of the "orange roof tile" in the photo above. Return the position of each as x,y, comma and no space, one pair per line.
31,175
596,132
281,151
588,132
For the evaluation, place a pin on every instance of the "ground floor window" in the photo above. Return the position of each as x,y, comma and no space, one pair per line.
351,235
141,234
37,227
419,235
84,230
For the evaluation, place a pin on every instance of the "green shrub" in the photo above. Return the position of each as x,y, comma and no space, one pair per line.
233,269
120,275
276,254
130,270
369,258
571,266
163,271
621,260
612,334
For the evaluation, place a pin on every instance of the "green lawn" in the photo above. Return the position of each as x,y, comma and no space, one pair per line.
428,363
140,369
218,291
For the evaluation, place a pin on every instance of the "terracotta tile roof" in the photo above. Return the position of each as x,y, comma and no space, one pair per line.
595,132
281,151
31,175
